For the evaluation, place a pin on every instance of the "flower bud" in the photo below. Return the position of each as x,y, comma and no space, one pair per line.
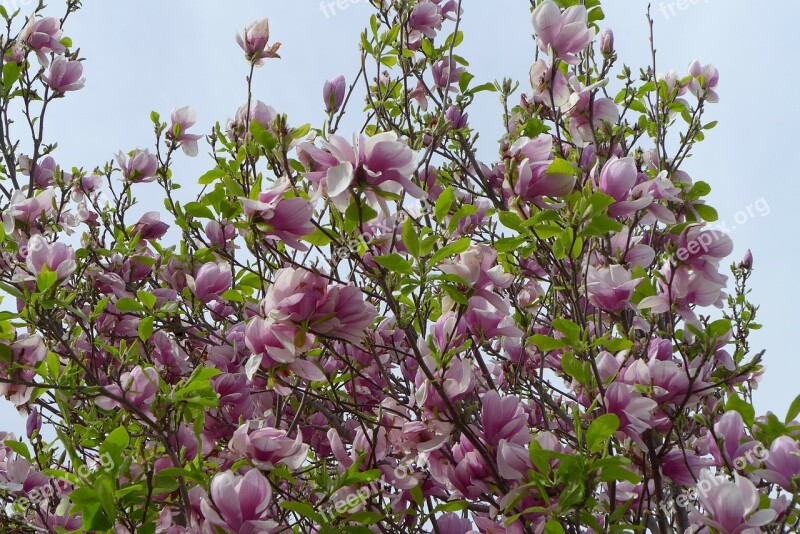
606,42
333,94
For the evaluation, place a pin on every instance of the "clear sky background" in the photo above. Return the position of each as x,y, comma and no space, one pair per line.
149,55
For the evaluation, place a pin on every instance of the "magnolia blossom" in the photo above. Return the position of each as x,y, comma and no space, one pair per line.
549,85
380,165
704,81
211,281
183,119
566,34
732,507
280,218
333,94
27,210
239,504
44,37
139,165
150,226
54,257
44,173
425,19
267,447
138,387
255,42
64,75
610,287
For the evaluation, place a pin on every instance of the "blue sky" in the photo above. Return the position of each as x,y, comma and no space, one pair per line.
155,55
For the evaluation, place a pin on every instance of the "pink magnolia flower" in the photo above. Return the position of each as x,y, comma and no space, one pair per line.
255,43
150,226
606,42
343,314
239,504
27,210
333,94
64,75
211,281
279,218
294,295
456,118
219,234
446,73
425,19
44,37
260,112
782,463
704,81
43,174
267,447
688,288
513,460
453,524
729,430
618,177
683,466
587,114
566,33
534,182
56,257
544,81
478,268
731,505
504,418
380,165
139,166
610,288
138,387
635,412
183,119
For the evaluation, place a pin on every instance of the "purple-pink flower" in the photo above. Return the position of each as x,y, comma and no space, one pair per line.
183,119
566,33
279,218
64,75
255,42
138,166
333,94
239,504
55,257
44,37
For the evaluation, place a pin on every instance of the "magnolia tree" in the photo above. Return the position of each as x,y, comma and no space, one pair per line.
382,330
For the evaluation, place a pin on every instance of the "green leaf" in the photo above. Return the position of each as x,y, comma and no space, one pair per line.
706,212
395,262
571,330
746,410
211,176
46,279
794,409
114,444
148,299
145,328
11,73
457,247
318,238
443,204
127,304
302,509
560,166
410,237
600,430
547,343
507,244
553,526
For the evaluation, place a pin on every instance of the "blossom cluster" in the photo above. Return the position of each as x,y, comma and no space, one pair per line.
384,330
